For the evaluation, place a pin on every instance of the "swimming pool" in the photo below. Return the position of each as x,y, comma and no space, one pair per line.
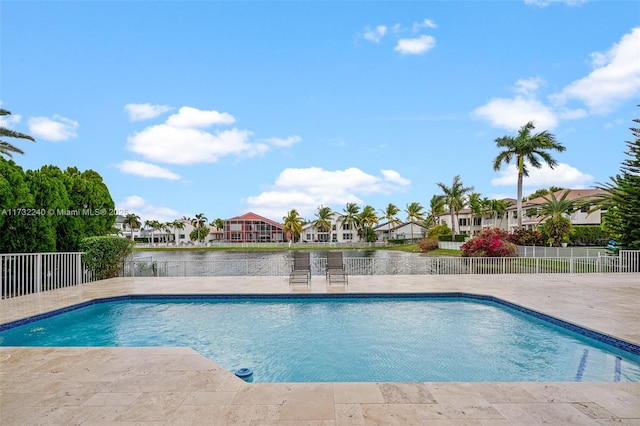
445,337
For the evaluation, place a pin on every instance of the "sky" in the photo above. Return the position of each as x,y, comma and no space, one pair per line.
229,107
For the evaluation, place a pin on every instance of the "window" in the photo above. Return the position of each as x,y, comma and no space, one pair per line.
347,236
333,227
182,236
463,222
585,208
346,226
236,237
235,227
477,221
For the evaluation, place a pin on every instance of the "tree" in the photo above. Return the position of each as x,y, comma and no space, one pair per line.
323,222
436,208
131,220
526,148
366,220
177,224
199,223
5,147
479,207
293,224
218,224
350,217
391,215
455,199
153,225
415,213
622,197
554,207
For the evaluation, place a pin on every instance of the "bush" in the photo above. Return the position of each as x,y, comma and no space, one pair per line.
589,235
439,230
428,244
526,237
104,255
491,242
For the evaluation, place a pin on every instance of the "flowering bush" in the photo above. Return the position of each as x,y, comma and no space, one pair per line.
428,244
526,237
492,242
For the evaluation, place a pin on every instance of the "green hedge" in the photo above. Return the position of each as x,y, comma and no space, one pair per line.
459,238
104,255
589,235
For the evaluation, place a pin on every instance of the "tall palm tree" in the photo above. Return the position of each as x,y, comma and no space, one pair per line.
367,219
293,224
455,198
436,208
497,208
323,222
131,220
415,213
350,217
154,225
5,147
526,148
177,225
199,222
479,206
391,215
218,224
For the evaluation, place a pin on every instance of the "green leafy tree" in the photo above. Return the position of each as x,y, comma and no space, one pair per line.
7,148
479,207
436,208
15,230
218,224
132,221
415,214
293,224
366,220
350,217
526,148
390,214
455,199
104,255
323,222
199,223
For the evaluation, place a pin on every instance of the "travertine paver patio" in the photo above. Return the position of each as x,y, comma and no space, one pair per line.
167,386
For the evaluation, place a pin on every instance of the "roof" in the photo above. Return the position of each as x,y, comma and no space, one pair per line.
573,195
253,216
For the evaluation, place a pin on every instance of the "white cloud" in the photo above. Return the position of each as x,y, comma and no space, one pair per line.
181,140
146,170
55,129
376,34
562,175
138,205
138,112
545,3
615,78
528,87
427,23
9,120
192,117
511,114
415,46
306,189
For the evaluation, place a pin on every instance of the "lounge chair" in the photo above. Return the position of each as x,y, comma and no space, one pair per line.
301,272
336,274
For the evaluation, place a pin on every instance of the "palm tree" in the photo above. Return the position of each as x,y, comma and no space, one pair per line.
177,224
293,224
367,219
391,215
554,208
455,199
497,208
5,147
199,223
479,207
133,221
436,208
323,222
350,217
415,213
153,224
218,224
526,147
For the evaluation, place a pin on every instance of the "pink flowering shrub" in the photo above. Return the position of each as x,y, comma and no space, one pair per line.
428,244
491,242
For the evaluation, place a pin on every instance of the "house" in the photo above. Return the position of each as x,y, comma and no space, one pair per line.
403,231
339,232
252,228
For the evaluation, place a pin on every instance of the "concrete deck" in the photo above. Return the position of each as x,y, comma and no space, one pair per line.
167,386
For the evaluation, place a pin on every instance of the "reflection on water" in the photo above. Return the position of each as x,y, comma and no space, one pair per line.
257,255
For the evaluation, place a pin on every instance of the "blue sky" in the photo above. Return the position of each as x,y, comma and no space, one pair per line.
229,107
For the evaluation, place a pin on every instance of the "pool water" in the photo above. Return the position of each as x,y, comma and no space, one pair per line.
344,339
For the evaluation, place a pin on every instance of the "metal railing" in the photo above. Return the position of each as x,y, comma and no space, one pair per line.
31,273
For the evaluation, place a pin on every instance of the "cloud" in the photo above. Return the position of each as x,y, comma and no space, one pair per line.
9,120
181,139
614,79
146,170
427,23
306,189
139,112
415,46
138,205
376,34
511,114
545,3
562,175
54,129
192,117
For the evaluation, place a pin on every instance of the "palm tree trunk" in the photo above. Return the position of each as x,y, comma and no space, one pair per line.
453,226
519,200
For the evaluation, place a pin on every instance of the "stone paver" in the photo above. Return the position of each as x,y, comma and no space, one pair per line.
177,386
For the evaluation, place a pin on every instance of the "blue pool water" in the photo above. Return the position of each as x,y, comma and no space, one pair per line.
343,339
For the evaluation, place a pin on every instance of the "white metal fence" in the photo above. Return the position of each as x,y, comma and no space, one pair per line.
30,273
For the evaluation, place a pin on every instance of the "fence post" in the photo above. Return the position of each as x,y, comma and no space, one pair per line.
79,279
38,271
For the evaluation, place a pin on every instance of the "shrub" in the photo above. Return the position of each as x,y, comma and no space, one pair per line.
589,235
439,230
104,255
428,244
491,242
555,229
526,237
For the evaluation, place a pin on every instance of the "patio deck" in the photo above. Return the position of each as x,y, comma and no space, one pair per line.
167,386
